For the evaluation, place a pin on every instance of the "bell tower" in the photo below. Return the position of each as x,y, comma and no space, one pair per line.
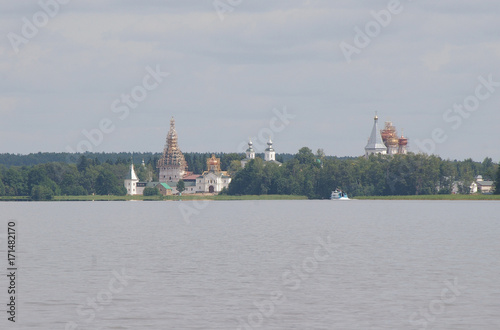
172,166
269,153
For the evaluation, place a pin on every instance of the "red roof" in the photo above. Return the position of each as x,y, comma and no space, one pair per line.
190,177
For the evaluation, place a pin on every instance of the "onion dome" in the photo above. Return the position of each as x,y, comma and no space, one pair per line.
392,141
402,141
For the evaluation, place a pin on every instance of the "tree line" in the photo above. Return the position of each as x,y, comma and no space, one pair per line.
195,160
43,181
315,175
55,174
304,173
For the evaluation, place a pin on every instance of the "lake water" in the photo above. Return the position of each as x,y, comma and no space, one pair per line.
254,265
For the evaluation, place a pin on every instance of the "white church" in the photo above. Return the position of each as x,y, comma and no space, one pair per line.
385,141
172,167
269,154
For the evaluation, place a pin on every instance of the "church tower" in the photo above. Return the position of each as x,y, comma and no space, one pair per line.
172,166
250,152
375,144
269,154
131,181
213,164
403,144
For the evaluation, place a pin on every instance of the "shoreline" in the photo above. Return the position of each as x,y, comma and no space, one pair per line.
110,198
434,197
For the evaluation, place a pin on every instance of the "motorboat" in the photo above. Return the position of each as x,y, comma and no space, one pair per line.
338,194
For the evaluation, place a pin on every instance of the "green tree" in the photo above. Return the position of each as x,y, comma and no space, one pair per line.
88,178
305,156
497,182
226,160
248,181
70,184
151,191
488,169
83,163
181,186
74,190
2,187
144,173
41,193
15,180
108,184
37,176
234,167
327,178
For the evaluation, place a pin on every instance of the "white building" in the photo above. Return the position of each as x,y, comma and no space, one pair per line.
135,187
250,154
386,141
131,182
172,168
481,186
269,154
213,180
375,143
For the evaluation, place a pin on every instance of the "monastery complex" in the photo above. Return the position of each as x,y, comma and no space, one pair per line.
173,167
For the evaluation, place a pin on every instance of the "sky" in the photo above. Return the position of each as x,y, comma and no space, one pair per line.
108,75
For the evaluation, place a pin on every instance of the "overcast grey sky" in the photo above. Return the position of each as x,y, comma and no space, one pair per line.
231,64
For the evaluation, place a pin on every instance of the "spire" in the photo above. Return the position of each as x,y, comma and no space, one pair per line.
131,175
375,144
172,155
172,134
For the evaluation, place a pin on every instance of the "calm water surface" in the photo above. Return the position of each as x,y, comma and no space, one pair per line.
255,265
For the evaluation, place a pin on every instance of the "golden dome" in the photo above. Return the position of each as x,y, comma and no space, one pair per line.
403,141
392,141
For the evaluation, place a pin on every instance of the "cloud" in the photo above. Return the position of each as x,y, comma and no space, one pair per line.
435,60
7,105
227,76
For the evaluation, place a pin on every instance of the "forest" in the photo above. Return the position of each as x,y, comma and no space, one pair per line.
44,175
314,175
